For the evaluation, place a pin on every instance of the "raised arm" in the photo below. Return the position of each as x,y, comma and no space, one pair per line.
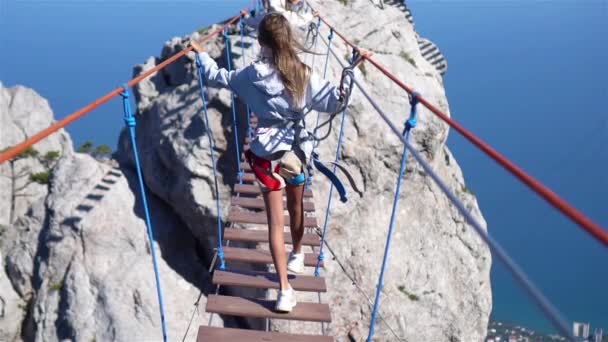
216,76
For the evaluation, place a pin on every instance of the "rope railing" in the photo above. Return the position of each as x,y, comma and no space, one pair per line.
542,302
409,124
543,191
130,122
330,38
233,107
211,140
321,256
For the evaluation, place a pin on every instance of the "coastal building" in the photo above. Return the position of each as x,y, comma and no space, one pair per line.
581,330
598,335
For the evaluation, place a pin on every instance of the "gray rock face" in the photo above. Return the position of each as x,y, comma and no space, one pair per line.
437,286
90,275
77,264
10,311
22,114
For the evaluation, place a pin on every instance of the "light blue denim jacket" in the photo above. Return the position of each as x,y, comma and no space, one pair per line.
260,86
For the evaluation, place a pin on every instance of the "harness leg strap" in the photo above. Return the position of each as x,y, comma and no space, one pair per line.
333,178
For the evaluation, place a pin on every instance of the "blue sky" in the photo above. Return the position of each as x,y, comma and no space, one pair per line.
529,77
72,52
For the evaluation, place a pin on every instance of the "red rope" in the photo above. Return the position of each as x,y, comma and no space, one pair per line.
19,148
543,191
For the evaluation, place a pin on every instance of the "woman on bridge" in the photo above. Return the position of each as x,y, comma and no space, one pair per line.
280,89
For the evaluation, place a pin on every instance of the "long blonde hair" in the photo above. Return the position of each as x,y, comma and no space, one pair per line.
275,34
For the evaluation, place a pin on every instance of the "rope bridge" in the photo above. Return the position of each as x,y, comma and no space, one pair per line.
246,205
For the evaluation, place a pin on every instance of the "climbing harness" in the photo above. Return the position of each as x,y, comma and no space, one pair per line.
354,60
348,74
311,34
330,37
333,178
273,174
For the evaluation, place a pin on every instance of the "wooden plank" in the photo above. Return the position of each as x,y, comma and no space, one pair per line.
245,166
262,236
247,177
263,308
254,189
217,334
256,256
267,280
261,218
258,203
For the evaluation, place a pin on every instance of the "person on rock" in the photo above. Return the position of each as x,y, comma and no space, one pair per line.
294,10
279,89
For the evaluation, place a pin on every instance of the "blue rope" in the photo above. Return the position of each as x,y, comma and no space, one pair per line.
312,65
310,170
242,25
236,131
409,124
331,188
130,122
220,249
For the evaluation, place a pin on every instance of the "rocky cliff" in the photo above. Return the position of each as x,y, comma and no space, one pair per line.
76,258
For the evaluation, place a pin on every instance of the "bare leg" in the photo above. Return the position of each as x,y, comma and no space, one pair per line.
295,206
276,224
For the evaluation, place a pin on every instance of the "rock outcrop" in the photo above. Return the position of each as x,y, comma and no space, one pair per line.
77,264
438,279
77,260
22,114
91,276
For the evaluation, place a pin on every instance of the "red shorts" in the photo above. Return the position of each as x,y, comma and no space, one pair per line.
273,178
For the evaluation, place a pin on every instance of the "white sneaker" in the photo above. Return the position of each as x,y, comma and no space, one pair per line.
295,263
286,300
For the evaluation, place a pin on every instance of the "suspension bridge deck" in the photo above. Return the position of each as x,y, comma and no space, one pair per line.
247,208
